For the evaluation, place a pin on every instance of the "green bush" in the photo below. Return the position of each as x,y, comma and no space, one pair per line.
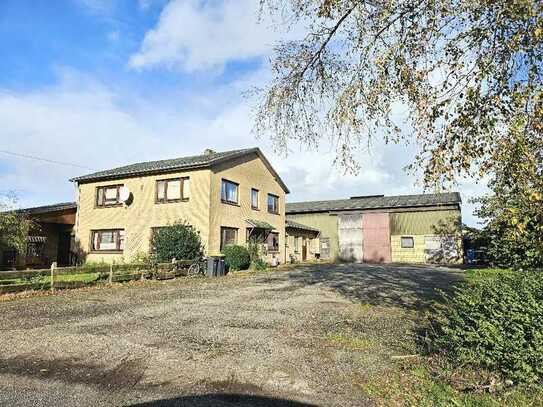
236,257
179,241
495,324
259,265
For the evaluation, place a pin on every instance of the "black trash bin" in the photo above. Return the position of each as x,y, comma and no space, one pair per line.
215,266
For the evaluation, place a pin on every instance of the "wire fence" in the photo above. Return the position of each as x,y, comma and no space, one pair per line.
57,278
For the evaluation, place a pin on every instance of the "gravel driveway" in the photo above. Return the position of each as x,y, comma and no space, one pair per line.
285,338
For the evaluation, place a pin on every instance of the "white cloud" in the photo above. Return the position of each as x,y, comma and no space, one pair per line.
194,35
84,121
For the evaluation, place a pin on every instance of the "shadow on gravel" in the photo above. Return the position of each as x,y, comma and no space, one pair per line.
224,400
124,375
413,287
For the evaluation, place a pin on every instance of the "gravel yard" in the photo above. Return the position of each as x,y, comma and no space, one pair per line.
309,336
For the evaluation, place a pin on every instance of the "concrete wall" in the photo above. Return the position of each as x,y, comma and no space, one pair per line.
328,226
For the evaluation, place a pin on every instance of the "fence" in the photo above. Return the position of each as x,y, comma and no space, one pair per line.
57,278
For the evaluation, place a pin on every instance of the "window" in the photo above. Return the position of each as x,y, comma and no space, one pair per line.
108,196
228,236
108,240
35,249
172,190
273,242
254,198
229,192
408,242
273,204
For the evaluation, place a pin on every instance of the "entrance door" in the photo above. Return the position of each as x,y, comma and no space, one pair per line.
304,249
325,247
376,227
63,254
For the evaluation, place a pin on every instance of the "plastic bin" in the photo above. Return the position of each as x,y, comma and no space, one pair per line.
215,266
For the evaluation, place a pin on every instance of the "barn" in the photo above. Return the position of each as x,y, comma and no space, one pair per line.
422,228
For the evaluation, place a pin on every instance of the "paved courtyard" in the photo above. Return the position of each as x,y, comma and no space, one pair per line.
310,336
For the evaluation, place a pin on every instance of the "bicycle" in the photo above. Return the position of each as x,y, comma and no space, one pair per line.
198,268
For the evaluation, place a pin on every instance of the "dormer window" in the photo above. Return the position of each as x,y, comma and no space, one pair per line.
108,195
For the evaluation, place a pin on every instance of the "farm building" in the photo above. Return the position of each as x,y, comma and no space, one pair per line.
401,229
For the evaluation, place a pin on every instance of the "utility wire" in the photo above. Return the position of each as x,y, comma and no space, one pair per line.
32,157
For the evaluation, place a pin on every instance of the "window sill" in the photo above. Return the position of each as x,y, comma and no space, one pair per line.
106,252
273,213
273,251
230,203
172,201
255,209
108,206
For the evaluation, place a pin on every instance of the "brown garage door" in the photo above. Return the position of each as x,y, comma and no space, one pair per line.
376,228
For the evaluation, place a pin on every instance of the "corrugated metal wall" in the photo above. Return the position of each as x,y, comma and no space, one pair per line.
424,223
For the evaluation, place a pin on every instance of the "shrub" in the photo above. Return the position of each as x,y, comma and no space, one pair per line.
236,257
179,241
259,265
495,324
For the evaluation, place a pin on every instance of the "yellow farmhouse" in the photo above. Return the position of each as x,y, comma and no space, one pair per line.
226,196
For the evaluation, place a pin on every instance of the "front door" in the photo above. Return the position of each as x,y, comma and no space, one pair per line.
304,249
63,254
325,247
376,227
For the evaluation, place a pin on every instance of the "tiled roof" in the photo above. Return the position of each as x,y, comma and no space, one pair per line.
295,225
171,165
375,202
49,208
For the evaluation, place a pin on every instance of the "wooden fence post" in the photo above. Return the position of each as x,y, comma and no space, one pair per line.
111,273
53,267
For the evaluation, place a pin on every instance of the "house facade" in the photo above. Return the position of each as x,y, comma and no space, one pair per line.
227,197
422,228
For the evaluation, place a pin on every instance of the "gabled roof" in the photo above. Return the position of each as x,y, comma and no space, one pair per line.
176,164
295,225
39,210
375,202
259,224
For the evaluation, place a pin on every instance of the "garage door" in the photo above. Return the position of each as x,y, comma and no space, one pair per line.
350,237
376,227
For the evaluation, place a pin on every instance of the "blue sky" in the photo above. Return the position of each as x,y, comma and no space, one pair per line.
103,83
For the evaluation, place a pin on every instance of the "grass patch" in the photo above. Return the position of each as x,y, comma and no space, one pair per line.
475,275
350,341
417,385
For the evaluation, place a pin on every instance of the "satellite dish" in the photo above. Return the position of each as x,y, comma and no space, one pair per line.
124,194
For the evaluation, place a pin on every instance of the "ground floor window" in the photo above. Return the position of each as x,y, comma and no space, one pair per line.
108,240
273,242
407,242
229,236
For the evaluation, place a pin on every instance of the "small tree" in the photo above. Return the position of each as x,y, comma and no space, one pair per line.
178,241
14,225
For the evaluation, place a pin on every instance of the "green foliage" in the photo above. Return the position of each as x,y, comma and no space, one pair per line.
513,212
461,70
259,265
495,324
14,226
236,257
180,241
